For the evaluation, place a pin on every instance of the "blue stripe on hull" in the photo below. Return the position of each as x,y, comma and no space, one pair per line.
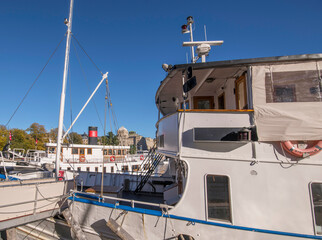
94,200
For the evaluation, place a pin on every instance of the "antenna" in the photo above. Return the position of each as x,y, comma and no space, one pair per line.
203,47
205,29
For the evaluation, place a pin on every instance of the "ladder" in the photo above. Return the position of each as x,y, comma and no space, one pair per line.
147,168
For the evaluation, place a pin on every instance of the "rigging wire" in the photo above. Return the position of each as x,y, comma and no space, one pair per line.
34,82
87,54
86,81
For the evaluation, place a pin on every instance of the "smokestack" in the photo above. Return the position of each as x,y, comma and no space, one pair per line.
92,135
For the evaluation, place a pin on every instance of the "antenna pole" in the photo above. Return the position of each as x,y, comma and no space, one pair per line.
63,91
192,47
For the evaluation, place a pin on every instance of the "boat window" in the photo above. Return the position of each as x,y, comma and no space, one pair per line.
68,169
110,152
135,168
112,169
104,169
316,190
125,168
124,152
293,86
89,151
81,151
119,152
52,150
241,93
160,141
96,169
74,150
87,169
218,200
203,102
78,169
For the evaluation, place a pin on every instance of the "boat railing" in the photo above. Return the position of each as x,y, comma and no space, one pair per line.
95,196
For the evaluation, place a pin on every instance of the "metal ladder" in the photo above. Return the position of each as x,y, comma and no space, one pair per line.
151,161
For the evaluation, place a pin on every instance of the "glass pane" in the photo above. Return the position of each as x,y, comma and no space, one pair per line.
203,104
82,151
317,204
218,197
74,150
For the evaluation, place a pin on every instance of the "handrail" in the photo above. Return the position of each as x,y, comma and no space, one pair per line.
160,205
216,110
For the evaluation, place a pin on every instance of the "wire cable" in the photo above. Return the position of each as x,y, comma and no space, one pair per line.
23,99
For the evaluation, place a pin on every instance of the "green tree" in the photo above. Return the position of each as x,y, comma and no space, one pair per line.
20,139
110,139
39,134
4,136
132,149
75,138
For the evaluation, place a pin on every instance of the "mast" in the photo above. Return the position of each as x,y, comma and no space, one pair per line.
63,91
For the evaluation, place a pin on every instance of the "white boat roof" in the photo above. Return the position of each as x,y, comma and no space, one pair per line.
87,146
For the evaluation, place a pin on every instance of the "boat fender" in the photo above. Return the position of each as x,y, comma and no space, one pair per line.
295,151
112,158
141,157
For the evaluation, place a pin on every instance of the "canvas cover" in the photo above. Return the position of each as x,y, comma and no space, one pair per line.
287,100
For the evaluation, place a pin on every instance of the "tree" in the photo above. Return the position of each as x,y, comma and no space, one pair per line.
39,134
110,139
132,149
75,138
20,139
4,136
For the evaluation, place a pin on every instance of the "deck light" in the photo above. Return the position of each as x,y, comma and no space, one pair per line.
190,20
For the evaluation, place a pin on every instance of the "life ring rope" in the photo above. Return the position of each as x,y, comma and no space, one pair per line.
297,152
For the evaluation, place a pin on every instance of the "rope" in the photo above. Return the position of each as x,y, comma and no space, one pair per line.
35,81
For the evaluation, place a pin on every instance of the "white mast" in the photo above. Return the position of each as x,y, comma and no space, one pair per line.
63,91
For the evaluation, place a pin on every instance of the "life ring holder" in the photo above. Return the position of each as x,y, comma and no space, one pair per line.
82,158
112,158
290,147
141,157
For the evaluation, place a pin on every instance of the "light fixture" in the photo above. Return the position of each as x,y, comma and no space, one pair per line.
190,20
184,29
210,80
167,67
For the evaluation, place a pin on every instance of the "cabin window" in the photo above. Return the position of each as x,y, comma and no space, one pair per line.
124,152
293,86
105,152
114,152
203,102
316,191
160,140
104,169
78,169
187,105
68,169
52,150
74,150
135,168
87,169
218,199
125,168
110,152
89,151
112,169
119,152
82,151
96,169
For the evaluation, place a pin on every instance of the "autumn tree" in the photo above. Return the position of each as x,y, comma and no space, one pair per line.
110,139
39,134
75,138
4,136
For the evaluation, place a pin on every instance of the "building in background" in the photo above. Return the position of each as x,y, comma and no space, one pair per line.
131,138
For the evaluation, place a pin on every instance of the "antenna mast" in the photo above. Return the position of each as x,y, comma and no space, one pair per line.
63,91
203,47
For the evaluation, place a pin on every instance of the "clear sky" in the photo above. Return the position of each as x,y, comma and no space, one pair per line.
131,40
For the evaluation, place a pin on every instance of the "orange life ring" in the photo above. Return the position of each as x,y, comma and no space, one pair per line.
112,158
141,157
293,150
82,158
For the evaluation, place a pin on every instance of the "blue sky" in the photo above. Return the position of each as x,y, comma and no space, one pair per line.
131,40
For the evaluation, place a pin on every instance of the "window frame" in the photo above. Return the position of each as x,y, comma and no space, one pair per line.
312,208
75,149
91,151
230,199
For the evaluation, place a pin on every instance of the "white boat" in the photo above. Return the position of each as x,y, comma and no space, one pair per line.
243,139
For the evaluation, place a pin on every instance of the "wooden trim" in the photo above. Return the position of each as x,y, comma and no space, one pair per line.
237,82
216,110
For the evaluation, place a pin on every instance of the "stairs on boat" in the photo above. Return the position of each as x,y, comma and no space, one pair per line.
147,168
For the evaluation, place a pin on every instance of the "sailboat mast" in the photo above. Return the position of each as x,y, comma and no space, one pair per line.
63,91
